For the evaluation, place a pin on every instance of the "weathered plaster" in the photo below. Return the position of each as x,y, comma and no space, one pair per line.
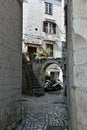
77,63
33,17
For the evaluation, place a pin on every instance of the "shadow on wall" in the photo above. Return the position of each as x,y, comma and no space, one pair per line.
25,1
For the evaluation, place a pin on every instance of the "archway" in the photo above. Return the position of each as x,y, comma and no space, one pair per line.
54,71
50,69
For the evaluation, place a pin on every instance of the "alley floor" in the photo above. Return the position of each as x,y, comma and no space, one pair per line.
48,112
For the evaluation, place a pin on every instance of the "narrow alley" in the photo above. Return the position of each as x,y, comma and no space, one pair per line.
48,112
43,44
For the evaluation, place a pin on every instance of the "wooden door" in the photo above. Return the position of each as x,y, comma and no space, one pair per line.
31,50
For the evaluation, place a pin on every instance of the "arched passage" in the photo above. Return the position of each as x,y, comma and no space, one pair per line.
55,72
53,69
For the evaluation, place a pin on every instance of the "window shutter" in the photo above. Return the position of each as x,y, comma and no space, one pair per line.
44,26
54,28
50,8
46,7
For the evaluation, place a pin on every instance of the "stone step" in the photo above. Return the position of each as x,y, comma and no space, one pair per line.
36,87
35,83
37,91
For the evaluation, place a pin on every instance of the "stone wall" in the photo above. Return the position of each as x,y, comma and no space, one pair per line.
33,17
40,66
10,63
77,64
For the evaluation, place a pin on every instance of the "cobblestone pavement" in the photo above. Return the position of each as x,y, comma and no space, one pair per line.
44,113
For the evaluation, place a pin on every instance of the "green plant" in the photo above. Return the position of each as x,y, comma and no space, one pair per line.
25,54
48,51
34,54
44,53
47,77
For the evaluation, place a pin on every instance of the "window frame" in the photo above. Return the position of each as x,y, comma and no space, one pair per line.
50,46
48,8
49,27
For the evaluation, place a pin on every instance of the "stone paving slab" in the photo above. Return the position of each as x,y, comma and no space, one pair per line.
48,112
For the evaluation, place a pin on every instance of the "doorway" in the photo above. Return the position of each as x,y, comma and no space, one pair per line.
31,51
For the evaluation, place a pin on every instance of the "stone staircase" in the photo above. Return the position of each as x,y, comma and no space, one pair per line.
36,88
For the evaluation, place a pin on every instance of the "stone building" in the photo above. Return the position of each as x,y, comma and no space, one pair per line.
43,28
10,63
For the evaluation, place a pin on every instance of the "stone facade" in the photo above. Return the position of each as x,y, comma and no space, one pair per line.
39,68
36,38
10,63
77,63
33,17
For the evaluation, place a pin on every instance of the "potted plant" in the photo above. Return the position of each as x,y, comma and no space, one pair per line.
34,54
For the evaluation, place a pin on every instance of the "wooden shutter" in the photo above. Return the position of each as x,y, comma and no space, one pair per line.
44,26
54,28
46,7
50,8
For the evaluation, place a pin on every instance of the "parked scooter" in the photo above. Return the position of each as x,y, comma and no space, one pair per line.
53,85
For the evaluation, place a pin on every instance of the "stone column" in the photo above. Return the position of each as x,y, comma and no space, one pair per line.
77,63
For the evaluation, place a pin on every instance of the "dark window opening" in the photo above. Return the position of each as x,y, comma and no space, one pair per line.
50,46
49,27
48,8
31,51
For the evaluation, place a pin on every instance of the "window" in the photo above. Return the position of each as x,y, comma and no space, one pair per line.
48,8
49,27
50,46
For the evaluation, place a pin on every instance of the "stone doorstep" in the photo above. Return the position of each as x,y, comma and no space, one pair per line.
56,128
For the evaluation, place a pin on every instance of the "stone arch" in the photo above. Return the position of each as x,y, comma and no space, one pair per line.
43,69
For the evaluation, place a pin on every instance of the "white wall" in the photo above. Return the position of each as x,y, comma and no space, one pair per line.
33,17
55,68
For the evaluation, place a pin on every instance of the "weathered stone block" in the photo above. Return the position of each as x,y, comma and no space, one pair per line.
10,63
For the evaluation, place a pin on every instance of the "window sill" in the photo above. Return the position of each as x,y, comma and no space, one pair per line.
50,33
48,14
